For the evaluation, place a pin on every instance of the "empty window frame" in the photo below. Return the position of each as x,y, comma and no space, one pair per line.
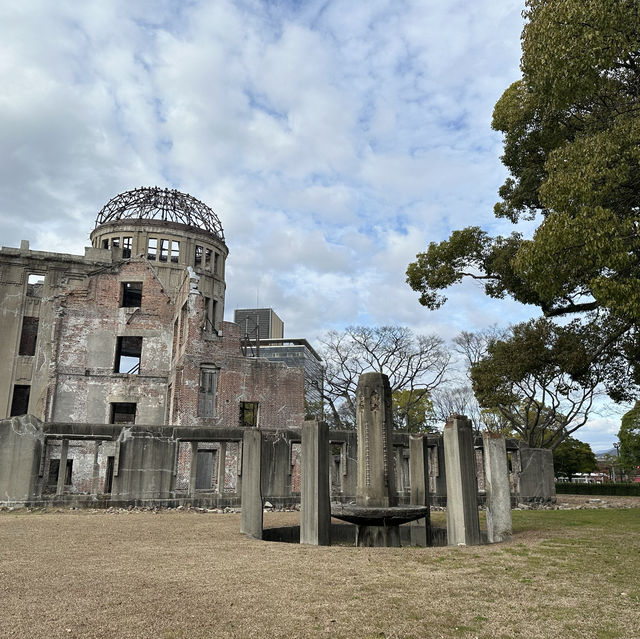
105,244
128,355
127,245
115,242
28,336
35,285
20,400
131,294
175,251
207,258
207,392
248,414
197,260
216,263
152,248
123,413
54,469
210,310
164,251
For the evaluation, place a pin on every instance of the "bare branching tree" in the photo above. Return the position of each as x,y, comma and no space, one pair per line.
413,363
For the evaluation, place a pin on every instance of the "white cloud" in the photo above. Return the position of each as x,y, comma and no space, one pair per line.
334,139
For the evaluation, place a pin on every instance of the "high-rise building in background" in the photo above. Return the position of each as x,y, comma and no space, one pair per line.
263,336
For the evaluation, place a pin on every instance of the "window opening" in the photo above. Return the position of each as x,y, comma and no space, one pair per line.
210,309
152,248
216,262
115,242
20,400
54,469
105,244
207,392
248,414
197,261
164,250
184,325
123,413
128,355
131,294
207,258
28,336
35,285
108,478
175,251
127,245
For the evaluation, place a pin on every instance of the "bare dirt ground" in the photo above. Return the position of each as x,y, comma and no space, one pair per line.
171,574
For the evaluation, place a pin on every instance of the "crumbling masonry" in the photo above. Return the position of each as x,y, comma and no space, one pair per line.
122,384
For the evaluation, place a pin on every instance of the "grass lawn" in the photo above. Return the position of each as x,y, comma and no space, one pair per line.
572,573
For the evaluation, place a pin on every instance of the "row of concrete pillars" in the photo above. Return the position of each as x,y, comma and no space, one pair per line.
463,526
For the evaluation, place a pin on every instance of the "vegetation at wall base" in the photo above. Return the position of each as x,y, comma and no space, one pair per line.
619,489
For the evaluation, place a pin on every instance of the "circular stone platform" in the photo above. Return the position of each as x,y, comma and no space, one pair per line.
377,516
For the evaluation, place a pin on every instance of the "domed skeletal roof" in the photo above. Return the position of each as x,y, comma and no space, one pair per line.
152,202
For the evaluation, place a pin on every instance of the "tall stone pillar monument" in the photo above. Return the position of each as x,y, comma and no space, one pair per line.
376,485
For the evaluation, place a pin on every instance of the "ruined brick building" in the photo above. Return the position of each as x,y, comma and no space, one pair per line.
132,332
122,384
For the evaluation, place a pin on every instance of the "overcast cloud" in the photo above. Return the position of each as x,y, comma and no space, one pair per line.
334,139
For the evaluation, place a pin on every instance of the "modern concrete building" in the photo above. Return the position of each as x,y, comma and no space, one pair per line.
262,323
263,336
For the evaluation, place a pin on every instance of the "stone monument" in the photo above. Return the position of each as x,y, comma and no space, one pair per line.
376,512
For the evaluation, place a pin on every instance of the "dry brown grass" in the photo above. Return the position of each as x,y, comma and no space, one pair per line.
176,575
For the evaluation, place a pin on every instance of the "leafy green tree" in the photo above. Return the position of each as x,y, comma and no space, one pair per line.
412,410
629,437
529,378
571,128
573,456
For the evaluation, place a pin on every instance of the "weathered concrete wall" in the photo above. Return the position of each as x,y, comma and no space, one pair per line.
134,464
536,479
20,444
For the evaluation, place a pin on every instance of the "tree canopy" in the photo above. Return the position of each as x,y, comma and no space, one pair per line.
573,456
629,437
571,130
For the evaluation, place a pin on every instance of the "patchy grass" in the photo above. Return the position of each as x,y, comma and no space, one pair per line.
181,575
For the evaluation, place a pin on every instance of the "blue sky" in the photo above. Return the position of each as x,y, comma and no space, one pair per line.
334,139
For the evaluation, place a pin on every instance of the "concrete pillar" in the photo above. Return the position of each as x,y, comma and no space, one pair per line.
376,485
194,469
95,478
419,480
315,501
251,521
496,482
62,469
222,461
376,473
463,526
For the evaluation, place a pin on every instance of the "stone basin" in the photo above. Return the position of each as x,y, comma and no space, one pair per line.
377,516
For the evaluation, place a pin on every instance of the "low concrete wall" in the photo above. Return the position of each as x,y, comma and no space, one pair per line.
151,465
